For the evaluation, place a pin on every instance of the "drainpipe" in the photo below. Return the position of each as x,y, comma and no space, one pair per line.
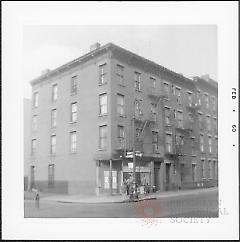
110,175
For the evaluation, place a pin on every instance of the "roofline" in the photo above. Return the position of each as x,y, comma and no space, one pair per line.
153,63
212,82
68,64
107,47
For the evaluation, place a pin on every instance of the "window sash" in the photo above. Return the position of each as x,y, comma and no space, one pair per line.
137,78
120,104
34,122
54,118
102,137
34,143
73,112
153,82
51,171
103,104
73,141
54,92
102,74
74,85
35,99
53,144
120,71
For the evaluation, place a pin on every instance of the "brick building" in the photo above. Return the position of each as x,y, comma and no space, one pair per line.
82,125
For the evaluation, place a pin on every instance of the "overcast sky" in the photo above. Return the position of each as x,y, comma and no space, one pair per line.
189,49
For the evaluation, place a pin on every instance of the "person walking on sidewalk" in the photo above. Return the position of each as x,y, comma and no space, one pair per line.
36,198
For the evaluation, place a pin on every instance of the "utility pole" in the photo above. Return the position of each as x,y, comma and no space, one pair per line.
135,196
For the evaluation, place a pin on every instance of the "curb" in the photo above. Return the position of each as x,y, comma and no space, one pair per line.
159,196
107,202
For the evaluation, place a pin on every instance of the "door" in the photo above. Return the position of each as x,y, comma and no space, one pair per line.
32,177
168,176
157,178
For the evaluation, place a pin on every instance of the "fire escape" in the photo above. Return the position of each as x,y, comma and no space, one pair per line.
150,121
181,130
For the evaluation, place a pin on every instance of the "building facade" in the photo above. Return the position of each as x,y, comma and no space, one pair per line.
87,114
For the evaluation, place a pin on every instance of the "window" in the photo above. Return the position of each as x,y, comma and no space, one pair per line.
154,111
103,104
138,110
102,74
206,100
155,141
167,115
210,144
193,172
54,118
137,81
215,125
200,120
138,134
73,142
51,175
178,94
201,143
182,172
103,137
34,122
193,145
213,103
74,85
168,142
203,169
180,119
189,94
190,116
216,143
153,82
208,123
107,179
179,144
120,136
214,169
120,104
32,176
53,144
120,76
54,92
73,112
35,99
210,173
34,143
199,97
166,88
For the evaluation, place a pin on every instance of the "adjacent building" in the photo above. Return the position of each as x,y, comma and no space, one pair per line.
83,114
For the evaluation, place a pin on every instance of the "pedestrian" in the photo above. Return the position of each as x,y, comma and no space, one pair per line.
36,198
127,186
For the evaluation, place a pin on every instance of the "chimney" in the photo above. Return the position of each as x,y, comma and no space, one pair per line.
205,77
45,71
95,46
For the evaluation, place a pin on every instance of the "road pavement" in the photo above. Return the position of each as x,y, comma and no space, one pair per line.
194,204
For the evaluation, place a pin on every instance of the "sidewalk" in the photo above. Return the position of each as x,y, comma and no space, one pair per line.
124,198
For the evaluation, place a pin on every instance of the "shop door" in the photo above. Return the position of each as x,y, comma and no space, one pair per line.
168,176
157,178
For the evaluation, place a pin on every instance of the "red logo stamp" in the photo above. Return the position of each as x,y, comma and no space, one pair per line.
149,212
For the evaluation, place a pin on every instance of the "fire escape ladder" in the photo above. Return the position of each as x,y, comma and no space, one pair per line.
144,126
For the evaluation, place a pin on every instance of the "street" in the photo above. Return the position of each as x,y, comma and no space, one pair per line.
191,205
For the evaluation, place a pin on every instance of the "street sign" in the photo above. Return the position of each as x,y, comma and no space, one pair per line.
130,154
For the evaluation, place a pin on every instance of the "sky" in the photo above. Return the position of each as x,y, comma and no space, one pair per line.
187,49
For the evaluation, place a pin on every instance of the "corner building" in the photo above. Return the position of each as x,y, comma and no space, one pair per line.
84,114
